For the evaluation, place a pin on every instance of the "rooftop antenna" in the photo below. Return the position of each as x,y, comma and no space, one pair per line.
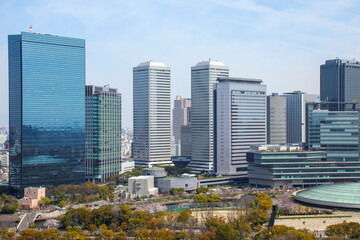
31,28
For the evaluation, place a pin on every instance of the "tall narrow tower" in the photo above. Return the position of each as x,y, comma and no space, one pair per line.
340,82
151,109
180,115
103,133
46,110
203,78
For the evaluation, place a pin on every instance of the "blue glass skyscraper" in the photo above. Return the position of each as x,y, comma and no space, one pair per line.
46,110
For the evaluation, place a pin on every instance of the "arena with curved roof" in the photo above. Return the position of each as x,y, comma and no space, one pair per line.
338,195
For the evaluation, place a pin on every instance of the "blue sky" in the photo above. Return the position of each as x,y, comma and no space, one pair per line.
282,42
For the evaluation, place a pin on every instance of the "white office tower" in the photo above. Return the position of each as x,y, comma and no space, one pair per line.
151,114
240,121
203,79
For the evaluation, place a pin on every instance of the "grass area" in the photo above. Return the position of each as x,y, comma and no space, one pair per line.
324,216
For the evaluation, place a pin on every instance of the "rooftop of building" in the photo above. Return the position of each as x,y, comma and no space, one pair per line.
142,177
152,63
279,148
338,60
236,79
346,194
210,62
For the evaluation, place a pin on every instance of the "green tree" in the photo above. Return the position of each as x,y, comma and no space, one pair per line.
10,207
44,201
76,217
214,198
103,215
202,190
5,234
226,232
50,234
213,222
29,234
285,232
184,216
74,233
201,198
62,204
257,217
344,230
262,201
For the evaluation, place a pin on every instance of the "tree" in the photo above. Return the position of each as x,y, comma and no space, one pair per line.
214,198
207,236
108,234
257,217
103,215
262,201
226,232
200,198
44,201
74,233
62,204
184,216
52,234
344,230
5,234
76,217
285,232
213,222
241,224
202,190
29,234
10,207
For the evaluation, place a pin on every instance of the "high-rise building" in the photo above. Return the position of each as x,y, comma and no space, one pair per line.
180,116
151,115
46,110
296,115
240,121
340,81
276,119
203,78
103,133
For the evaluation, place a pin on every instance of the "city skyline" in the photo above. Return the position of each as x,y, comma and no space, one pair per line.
281,42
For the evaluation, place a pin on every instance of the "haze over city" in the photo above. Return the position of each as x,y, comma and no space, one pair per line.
281,42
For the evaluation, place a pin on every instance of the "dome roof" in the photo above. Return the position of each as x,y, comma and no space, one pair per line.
343,195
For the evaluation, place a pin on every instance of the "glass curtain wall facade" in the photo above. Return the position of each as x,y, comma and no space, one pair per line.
340,82
103,133
203,79
46,110
288,166
296,115
151,114
337,133
240,121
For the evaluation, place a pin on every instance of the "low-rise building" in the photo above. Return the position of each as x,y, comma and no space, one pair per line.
286,166
142,186
32,196
127,164
186,181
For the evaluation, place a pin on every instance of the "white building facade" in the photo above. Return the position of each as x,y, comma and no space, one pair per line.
203,78
240,122
151,114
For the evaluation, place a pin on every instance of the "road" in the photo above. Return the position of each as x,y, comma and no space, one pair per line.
29,218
